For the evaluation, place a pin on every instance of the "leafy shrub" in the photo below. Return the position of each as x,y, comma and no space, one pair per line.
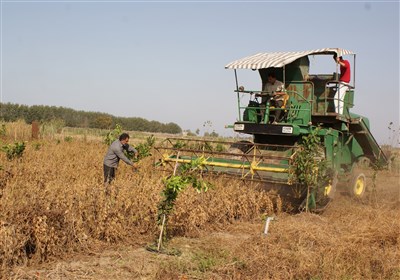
175,184
113,135
309,168
15,150
144,149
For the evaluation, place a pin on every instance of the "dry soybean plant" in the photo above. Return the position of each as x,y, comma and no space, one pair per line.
52,203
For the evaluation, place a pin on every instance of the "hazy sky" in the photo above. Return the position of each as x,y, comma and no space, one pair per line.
165,61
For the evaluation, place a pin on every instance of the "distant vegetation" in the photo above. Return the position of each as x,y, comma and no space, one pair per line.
11,112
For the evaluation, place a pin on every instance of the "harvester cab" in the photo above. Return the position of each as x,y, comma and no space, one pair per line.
308,99
307,104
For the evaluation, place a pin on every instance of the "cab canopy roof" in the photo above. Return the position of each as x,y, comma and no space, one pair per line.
279,59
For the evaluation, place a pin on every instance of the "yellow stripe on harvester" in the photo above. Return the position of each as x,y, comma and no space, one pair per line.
253,166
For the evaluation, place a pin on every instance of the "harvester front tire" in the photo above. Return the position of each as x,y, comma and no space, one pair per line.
327,193
330,188
358,185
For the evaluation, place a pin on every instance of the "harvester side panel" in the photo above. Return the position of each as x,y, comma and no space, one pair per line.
300,102
360,129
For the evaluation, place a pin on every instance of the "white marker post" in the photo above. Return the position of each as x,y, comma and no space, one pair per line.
269,219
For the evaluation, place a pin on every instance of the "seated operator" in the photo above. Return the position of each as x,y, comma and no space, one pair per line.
273,90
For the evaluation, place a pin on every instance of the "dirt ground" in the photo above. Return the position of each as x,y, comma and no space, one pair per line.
132,261
349,240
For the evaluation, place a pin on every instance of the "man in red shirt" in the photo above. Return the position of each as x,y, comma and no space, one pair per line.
343,83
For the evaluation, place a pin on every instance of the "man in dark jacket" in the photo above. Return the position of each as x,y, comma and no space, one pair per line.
114,154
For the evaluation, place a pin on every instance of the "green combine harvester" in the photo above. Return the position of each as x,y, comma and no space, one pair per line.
348,147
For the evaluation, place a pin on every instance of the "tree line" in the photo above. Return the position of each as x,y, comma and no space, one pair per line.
10,112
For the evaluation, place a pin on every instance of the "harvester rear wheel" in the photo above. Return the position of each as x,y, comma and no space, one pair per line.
358,185
361,174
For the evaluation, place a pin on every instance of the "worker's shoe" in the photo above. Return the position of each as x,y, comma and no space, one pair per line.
107,189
